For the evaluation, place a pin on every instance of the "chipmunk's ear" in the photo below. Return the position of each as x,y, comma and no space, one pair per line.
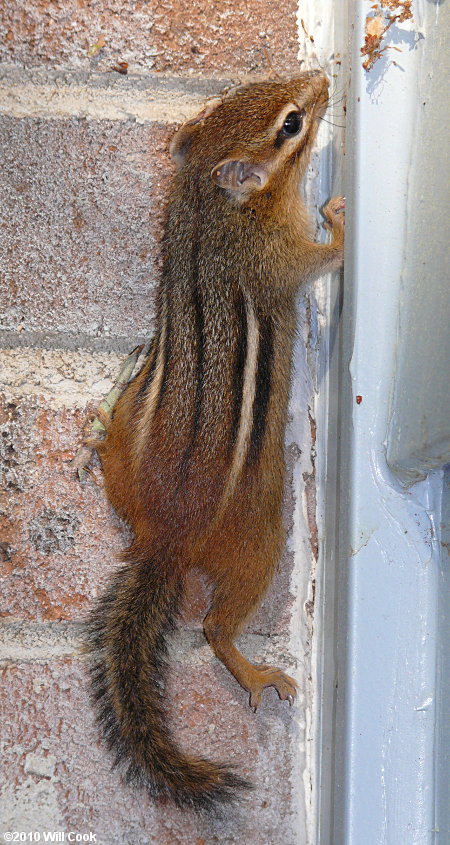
182,140
240,176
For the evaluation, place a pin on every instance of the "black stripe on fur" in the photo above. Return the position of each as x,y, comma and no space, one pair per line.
262,393
126,638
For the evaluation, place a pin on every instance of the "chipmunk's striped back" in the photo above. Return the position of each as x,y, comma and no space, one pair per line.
193,457
203,402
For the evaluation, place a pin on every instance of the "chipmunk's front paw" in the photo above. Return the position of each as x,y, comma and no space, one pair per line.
334,213
269,676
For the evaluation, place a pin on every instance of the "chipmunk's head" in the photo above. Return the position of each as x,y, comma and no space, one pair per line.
257,138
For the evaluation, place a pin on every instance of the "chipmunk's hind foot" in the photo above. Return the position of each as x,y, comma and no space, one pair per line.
270,676
94,441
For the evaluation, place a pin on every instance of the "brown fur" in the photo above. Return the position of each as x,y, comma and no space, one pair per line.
235,253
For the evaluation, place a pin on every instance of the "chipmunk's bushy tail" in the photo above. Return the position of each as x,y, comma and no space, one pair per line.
127,640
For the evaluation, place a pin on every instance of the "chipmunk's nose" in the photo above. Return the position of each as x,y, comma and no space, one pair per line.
315,77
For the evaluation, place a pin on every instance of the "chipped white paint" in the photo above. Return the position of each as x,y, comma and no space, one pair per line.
299,437
30,806
320,30
308,363
37,764
315,26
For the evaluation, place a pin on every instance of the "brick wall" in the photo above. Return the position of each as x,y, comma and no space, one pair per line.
85,168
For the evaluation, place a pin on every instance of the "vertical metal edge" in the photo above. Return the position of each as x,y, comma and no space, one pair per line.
327,298
387,555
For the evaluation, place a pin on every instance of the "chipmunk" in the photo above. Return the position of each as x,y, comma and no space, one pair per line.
193,455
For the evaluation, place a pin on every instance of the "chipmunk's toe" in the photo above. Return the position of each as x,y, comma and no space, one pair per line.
270,676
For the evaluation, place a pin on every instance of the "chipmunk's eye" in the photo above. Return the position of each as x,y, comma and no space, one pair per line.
293,123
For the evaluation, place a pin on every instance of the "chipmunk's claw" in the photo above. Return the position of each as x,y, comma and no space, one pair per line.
332,211
102,420
269,676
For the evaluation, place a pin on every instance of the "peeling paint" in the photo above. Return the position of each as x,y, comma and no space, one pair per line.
315,24
365,538
32,805
41,766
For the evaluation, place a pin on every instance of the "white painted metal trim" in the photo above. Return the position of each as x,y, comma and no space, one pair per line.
387,549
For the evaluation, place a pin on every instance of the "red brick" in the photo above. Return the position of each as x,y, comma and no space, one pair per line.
63,31
60,539
225,36
45,713
220,37
81,209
